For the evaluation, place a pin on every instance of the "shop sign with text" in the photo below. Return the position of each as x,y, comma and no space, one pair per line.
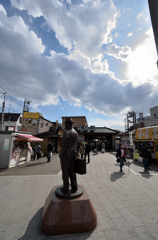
30,115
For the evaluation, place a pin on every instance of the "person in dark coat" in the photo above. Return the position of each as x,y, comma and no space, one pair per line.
108,146
37,151
49,151
149,155
145,154
68,156
87,151
121,156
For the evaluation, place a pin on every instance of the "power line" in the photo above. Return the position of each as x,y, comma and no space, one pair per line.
10,80
12,98
11,106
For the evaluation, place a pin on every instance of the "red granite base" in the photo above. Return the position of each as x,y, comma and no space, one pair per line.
65,216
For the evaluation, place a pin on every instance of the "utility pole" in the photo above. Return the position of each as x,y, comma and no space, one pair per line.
26,106
3,106
131,124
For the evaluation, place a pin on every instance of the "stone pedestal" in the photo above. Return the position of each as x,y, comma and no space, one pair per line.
67,216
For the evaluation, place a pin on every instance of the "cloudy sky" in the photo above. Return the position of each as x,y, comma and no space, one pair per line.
93,58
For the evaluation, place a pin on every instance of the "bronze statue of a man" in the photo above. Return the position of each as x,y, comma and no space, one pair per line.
68,156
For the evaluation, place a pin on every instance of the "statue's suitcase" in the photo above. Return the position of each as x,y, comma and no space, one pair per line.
80,165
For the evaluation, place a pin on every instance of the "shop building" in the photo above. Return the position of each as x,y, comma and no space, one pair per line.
54,136
12,121
92,133
15,148
78,121
99,134
36,123
148,120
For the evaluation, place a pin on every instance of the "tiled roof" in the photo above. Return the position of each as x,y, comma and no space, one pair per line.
50,133
99,130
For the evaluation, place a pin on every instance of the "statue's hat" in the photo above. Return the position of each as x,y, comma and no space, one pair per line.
68,120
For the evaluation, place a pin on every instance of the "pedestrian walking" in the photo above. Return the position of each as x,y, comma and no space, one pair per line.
49,151
103,145
121,156
87,151
37,151
108,146
95,148
82,148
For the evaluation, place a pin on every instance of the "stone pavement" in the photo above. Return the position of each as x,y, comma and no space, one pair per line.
126,203
37,167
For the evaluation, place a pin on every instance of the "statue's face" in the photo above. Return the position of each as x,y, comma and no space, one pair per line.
68,126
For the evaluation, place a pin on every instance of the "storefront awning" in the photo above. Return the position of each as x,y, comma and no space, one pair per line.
148,133
24,137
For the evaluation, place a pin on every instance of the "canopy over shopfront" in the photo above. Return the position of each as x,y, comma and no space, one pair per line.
24,137
15,148
147,134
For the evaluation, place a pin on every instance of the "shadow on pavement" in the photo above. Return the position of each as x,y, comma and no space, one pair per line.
33,227
3,169
154,166
138,167
146,174
32,165
116,175
37,167
33,230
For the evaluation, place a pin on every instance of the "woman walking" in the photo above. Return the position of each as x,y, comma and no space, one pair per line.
121,156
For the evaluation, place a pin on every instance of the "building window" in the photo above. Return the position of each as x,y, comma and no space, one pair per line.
79,128
34,122
41,125
29,122
20,120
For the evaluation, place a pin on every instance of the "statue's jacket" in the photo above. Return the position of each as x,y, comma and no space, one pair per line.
69,143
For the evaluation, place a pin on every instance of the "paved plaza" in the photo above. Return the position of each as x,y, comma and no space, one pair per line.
126,203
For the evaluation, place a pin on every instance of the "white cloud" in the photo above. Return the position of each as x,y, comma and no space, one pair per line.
98,65
128,9
89,108
130,34
46,78
49,99
142,62
116,35
89,18
116,122
2,10
118,52
140,15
